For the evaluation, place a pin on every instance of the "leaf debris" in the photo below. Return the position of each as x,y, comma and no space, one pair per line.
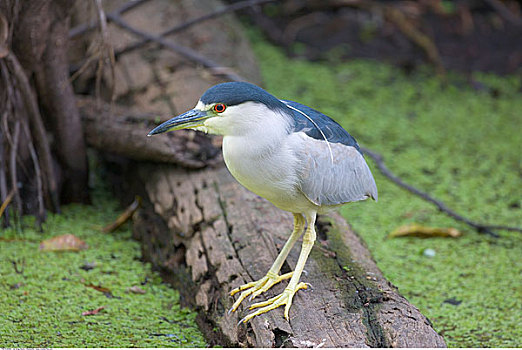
124,217
67,242
93,312
416,230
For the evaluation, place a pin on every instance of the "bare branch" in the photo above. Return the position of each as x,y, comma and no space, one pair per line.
3,177
186,52
39,183
481,228
503,228
105,46
115,16
504,12
183,26
6,202
181,50
12,166
86,27
4,32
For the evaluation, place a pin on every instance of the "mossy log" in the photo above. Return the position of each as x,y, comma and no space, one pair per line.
209,235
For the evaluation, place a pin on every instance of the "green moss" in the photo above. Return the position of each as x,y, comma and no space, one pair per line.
460,145
361,294
43,305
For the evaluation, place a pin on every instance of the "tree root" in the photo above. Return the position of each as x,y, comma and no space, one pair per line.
37,129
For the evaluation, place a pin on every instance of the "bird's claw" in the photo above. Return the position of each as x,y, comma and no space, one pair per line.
253,289
284,298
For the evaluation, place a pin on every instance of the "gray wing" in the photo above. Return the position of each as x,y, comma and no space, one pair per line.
336,177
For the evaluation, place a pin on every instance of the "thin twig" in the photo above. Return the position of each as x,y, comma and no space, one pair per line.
12,166
503,228
6,202
105,46
18,262
181,50
4,130
38,174
12,100
147,38
504,12
422,40
86,27
3,178
481,228
102,19
82,67
183,26
18,102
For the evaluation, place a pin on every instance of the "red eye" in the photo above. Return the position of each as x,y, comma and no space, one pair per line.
219,108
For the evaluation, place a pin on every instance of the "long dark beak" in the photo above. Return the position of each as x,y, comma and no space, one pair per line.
187,120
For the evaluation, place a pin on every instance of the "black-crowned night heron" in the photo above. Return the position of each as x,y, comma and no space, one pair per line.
296,157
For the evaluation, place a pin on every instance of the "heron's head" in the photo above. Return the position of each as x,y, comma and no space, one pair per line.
228,109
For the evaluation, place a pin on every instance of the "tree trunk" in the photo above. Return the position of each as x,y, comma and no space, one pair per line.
58,101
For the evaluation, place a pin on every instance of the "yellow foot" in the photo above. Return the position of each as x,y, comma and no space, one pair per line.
284,298
255,288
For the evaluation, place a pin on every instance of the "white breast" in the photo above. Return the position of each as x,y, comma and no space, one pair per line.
266,167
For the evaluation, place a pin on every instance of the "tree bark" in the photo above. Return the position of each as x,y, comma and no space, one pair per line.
34,50
58,100
122,131
208,235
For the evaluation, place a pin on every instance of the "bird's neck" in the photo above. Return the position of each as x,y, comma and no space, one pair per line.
263,136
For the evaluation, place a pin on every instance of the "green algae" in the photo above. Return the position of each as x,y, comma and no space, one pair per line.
460,144
42,306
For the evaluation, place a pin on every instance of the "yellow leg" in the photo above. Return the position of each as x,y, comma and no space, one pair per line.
272,277
286,297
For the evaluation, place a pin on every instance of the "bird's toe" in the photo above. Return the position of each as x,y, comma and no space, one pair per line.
284,298
253,289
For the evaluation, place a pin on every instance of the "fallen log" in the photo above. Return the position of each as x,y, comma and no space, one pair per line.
208,235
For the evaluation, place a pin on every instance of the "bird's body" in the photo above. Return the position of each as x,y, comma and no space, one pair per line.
296,157
263,167
265,172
